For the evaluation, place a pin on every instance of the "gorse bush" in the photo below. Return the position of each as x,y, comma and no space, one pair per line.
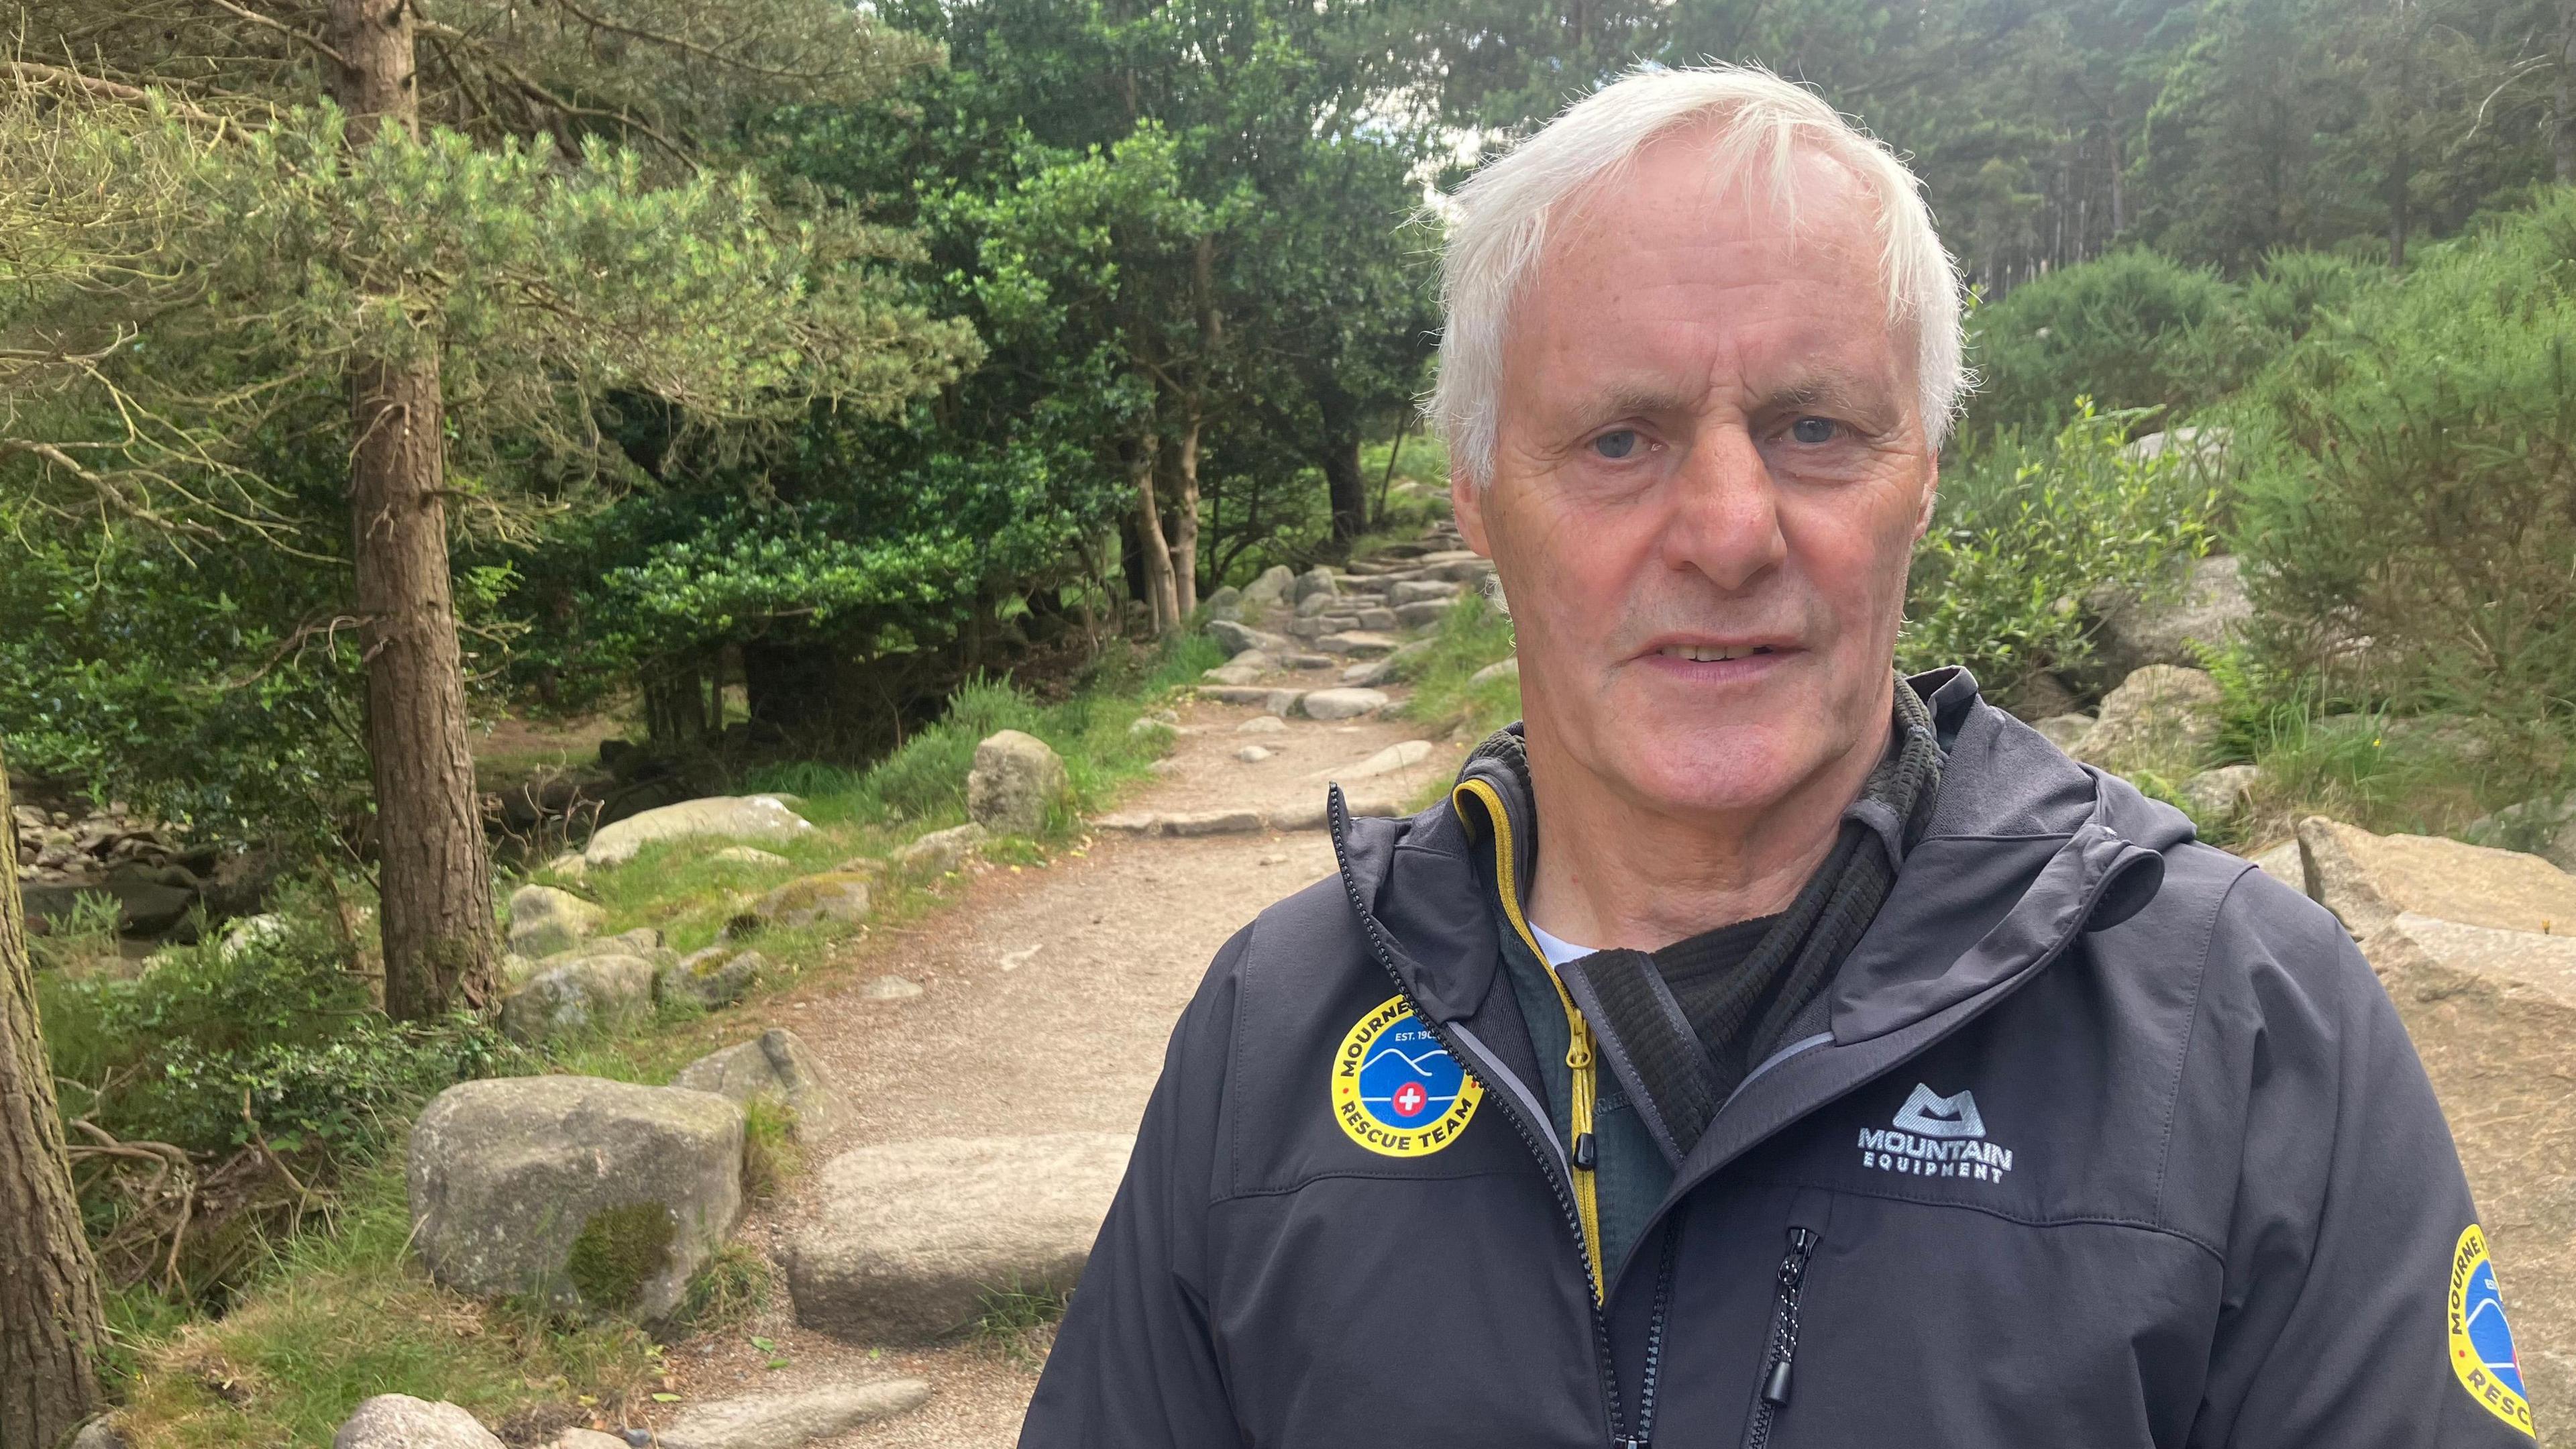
2136,330
2024,532
2122,330
2407,508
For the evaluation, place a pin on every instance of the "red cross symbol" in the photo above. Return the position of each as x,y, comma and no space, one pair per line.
1410,1099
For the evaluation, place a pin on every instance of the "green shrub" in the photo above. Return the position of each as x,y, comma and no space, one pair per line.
2125,330
1470,636
2407,502
2024,532
925,780
278,1023
2135,330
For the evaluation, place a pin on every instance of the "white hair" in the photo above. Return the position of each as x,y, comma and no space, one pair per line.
1498,226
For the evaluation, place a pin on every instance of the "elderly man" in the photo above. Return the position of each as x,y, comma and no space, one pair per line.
1759,1048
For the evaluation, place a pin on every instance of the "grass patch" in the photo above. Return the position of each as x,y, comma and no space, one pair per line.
728,1292
1020,1323
2424,774
340,1316
344,1311
1473,634
771,1157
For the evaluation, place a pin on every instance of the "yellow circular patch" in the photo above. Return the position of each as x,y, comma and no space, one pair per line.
1396,1090
2482,1352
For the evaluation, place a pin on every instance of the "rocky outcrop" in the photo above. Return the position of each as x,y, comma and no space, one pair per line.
2546,827
2215,796
2368,880
544,920
1388,761
788,1421
1335,704
583,994
574,1191
710,979
1273,588
1358,643
2162,720
2478,949
1017,779
1238,639
939,852
779,1065
1245,820
399,1421
2208,606
1499,669
842,896
909,1238
728,817
2066,731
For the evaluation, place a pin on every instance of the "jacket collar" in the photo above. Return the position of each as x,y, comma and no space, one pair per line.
2025,848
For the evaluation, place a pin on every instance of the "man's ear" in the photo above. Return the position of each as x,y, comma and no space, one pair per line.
1468,502
1931,496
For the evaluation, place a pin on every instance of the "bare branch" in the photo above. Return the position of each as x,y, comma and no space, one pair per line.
650,37
34,74
281,27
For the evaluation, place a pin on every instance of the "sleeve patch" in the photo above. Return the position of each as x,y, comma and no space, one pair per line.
2481,1348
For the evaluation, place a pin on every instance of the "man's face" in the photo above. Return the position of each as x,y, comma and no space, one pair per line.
1709,475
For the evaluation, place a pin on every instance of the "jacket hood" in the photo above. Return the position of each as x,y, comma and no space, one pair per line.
2024,848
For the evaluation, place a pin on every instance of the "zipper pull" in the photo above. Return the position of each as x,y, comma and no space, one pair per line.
1793,1275
1775,1389
1587,1153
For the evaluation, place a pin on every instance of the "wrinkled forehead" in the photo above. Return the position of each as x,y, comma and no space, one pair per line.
1689,207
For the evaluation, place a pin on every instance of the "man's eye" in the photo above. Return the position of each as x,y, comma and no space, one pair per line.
1617,444
1814,430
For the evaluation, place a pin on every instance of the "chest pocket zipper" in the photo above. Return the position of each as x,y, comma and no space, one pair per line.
1784,1339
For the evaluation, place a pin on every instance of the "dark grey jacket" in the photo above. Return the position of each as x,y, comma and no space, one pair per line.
2110,1140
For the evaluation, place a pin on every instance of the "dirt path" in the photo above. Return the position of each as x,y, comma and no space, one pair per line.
1048,994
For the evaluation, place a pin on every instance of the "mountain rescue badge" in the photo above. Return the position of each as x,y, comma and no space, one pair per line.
2482,1351
1397,1091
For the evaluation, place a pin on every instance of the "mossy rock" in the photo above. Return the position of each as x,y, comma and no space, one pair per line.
578,1191
618,1252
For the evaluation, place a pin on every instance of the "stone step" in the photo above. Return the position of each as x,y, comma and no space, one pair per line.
910,1240
790,1421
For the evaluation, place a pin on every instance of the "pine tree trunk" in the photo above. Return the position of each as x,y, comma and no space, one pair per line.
1185,521
1151,543
51,1325
2562,131
435,874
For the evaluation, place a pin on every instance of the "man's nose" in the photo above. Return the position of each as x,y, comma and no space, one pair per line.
1724,520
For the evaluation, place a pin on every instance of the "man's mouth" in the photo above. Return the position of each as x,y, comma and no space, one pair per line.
1711,653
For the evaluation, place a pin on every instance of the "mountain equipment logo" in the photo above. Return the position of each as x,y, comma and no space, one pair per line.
1927,1115
2482,1352
1936,1136
1396,1090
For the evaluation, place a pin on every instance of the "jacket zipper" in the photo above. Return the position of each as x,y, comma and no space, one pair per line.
1784,1339
1583,1153
1549,1164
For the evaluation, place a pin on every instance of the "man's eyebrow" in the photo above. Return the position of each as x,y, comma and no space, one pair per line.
1828,387
1629,399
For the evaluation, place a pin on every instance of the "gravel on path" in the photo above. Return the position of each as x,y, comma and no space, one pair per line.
1048,995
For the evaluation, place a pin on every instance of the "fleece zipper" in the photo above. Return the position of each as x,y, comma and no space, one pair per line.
1782,1353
